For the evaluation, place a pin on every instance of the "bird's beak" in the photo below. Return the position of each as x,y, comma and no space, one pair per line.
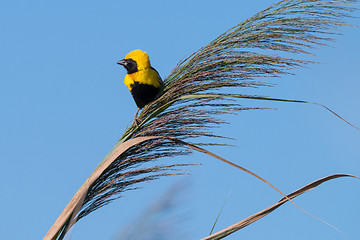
122,62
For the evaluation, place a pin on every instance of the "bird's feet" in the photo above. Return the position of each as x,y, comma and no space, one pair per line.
136,120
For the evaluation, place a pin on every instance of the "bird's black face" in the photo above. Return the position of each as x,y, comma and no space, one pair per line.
129,64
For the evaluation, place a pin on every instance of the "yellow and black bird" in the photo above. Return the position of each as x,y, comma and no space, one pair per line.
143,81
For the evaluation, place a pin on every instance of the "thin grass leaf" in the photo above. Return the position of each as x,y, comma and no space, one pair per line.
253,218
217,217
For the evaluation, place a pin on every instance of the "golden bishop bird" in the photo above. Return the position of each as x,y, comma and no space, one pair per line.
143,81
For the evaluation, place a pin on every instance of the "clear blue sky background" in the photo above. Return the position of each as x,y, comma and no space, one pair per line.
64,105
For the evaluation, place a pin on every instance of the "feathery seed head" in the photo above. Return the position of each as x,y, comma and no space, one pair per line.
192,100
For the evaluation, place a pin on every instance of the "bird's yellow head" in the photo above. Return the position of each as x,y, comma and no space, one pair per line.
136,60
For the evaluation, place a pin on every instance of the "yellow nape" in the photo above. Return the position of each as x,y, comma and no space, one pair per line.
141,58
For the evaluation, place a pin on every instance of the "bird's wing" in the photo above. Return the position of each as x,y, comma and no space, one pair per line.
159,77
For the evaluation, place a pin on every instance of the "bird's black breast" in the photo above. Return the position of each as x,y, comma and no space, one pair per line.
143,93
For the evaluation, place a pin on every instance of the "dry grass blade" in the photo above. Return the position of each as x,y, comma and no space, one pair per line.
247,221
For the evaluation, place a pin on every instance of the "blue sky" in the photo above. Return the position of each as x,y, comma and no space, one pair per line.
64,105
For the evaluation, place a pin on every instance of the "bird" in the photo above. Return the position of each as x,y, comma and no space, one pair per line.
143,81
